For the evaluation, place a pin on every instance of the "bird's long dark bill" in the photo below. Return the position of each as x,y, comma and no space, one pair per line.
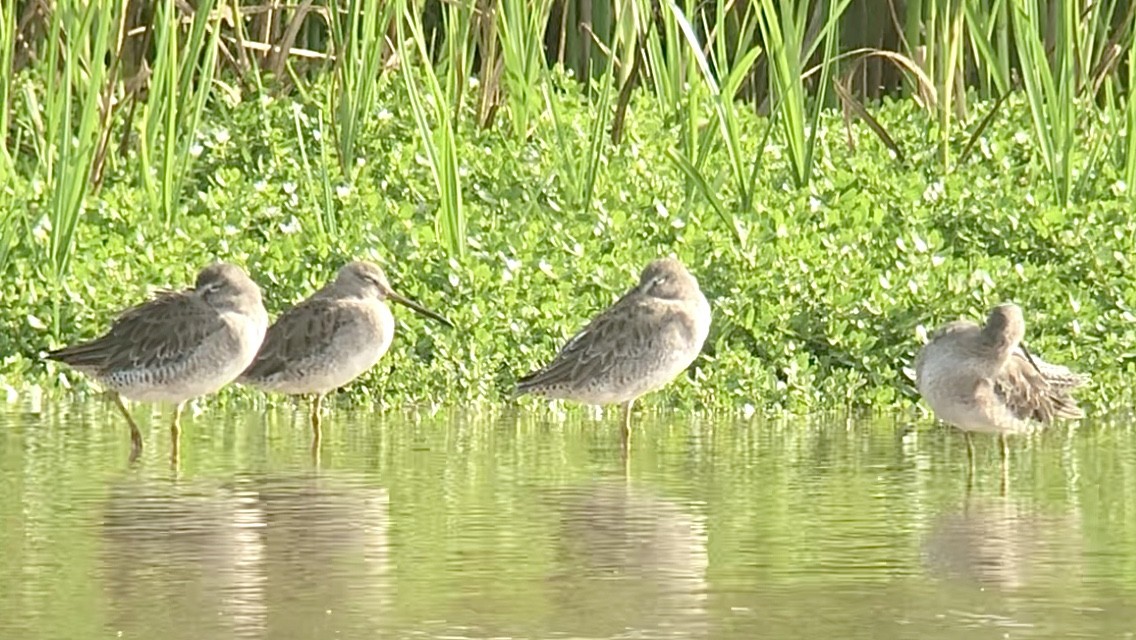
1029,357
407,302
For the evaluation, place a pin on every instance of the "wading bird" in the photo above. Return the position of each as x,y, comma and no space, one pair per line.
982,379
639,344
177,346
331,338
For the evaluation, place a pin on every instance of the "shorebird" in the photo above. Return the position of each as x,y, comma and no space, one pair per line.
331,338
639,344
176,346
982,379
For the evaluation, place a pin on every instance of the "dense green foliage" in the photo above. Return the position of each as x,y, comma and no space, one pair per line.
819,294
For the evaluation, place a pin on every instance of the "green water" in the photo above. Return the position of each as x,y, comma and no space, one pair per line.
521,526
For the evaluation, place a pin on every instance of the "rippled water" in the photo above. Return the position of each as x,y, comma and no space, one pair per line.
520,526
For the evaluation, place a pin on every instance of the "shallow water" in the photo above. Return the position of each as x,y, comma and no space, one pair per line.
524,527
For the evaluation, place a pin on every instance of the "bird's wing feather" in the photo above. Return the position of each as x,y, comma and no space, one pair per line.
1028,394
1060,376
155,333
626,330
303,332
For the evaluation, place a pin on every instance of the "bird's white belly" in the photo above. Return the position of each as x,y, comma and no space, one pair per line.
213,365
357,348
965,400
649,378
354,364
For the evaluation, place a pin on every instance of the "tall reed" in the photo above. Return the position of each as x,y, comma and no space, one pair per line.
72,115
180,86
520,32
987,30
1130,124
68,129
698,59
7,84
434,112
1051,88
359,43
722,96
783,28
328,218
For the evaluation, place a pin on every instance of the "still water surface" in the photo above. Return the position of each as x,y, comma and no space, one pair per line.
518,526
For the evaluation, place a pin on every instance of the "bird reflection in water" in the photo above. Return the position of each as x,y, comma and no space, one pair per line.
257,557
1004,543
634,561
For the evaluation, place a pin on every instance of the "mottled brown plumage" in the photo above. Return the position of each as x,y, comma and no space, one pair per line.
982,378
331,338
178,345
639,344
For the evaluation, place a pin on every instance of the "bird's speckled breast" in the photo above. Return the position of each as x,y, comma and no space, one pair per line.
216,361
676,345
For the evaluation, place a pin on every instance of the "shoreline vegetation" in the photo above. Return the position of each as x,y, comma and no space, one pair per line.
840,182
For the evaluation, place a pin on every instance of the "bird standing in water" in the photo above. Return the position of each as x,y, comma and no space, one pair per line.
177,346
982,379
639,344
331,338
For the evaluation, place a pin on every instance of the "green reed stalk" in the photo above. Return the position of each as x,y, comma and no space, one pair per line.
7,86
1050,90
783,30
71,116
913,34
1094,19
1130,121
358,66
1003,52
1098,56
582,167
927,55
678,88
630,21
666,64
734,66
569,160
180,87
11,221
722,98
160,110
596,137
12,216
327,219
783,42
987,36
329,214
439,136
949,47
520,30
73,109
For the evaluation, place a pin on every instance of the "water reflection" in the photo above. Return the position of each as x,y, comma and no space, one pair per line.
638,562
816,531
1005,542
256,557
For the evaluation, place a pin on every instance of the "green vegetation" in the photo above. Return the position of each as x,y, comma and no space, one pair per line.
521,198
